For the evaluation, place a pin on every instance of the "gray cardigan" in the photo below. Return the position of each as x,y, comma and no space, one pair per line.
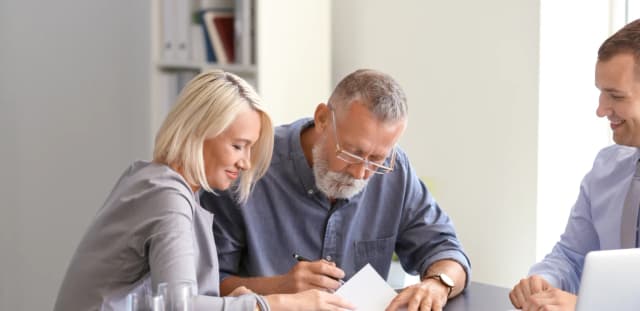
150,230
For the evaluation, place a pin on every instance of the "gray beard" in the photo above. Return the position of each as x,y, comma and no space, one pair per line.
333,184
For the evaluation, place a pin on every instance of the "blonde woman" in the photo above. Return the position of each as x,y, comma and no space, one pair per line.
152,229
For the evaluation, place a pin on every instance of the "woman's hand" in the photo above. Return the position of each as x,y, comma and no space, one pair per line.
239,291
309,300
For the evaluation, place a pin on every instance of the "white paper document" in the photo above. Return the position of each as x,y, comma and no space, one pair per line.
367,290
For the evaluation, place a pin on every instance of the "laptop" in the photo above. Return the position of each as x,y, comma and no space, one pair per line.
610,281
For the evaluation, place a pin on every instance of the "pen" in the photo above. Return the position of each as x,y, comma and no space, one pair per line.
301,258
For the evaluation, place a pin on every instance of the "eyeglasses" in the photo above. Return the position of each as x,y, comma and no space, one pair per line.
352,159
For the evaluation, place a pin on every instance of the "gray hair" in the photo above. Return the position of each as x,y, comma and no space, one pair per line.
380,93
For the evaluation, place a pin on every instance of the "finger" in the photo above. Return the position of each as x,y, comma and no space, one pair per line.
539,301
419,303
524,287
417,300
437,305
323,282
239,291
400,300
339,302
328,269
545,284
519,296
514,300
307,275
537,284
325,275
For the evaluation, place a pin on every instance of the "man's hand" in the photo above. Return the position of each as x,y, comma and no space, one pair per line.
427,295
527,287
320,274
552,299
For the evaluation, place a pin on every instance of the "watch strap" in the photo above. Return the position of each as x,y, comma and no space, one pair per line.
439,278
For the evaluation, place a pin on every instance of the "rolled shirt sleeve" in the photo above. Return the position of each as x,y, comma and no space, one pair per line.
563,267
427,233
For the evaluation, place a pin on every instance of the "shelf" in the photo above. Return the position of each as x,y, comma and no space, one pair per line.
284,64
199,66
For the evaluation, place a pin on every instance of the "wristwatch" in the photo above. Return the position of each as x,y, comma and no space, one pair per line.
444,279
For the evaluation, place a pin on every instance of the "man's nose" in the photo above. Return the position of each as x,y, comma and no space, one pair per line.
359,171
604,107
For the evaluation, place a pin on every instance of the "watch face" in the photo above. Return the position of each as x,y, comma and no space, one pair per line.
446,280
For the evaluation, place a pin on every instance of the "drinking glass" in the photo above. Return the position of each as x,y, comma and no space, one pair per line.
143,300
177,295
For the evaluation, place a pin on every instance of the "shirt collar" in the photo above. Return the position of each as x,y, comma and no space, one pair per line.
302,170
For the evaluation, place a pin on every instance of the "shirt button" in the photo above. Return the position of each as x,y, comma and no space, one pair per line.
328,258
310,192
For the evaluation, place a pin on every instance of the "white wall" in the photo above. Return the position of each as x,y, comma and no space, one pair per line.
505,164
73,114
570,134
294,63
470,71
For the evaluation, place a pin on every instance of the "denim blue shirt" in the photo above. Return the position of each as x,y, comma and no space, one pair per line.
286,214
595,220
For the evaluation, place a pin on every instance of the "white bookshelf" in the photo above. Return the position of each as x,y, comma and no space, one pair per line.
199,66
290,67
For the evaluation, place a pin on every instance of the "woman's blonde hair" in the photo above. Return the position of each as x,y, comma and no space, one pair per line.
207,105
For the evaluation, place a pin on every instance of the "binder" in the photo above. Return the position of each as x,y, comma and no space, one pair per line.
198,50
169,24
243,32
183,32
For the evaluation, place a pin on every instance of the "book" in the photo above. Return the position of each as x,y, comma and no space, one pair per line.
224,25
208,45
219,27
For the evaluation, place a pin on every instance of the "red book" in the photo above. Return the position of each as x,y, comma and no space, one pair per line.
220,28
224,26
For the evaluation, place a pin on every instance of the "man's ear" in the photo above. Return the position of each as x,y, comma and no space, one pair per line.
322,117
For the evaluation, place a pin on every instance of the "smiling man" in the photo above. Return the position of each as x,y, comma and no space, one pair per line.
605,216
340,191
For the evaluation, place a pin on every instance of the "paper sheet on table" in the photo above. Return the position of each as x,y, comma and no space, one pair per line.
367,290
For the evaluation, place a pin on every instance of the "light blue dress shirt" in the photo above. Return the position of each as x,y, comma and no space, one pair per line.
286,214
595,220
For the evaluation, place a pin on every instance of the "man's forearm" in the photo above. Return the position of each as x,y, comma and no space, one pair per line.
259,285
452,269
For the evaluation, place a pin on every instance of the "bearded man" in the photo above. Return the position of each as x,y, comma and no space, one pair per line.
340,192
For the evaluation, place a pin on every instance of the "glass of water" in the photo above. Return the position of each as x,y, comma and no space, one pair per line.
177,295
144,301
